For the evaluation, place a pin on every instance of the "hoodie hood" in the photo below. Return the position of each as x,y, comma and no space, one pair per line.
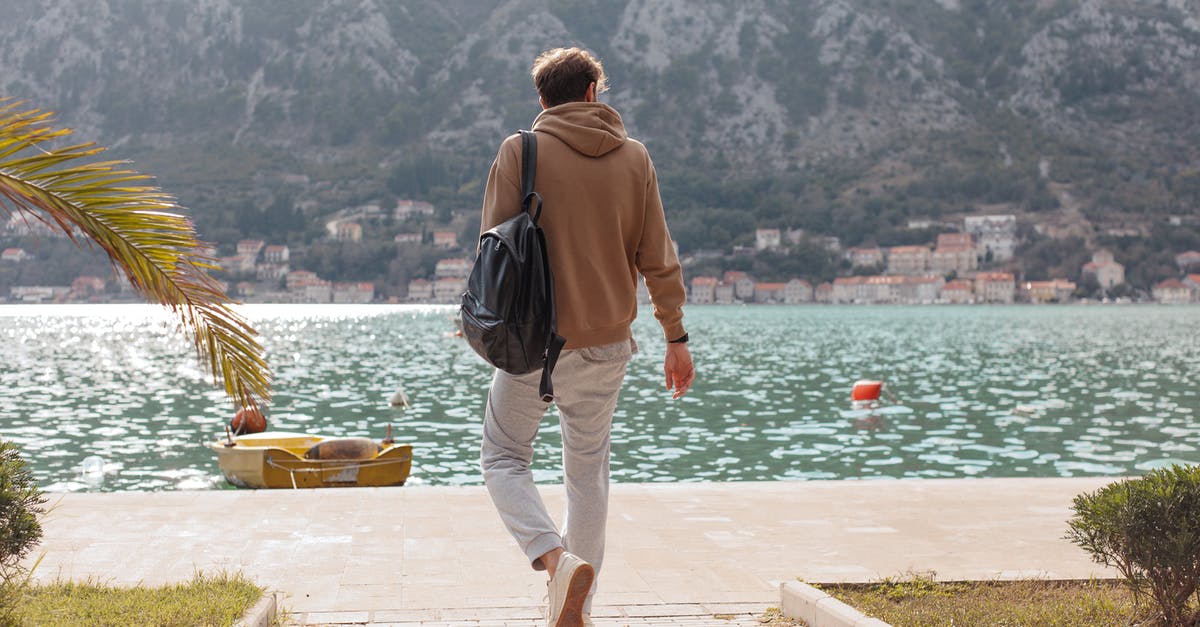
590,128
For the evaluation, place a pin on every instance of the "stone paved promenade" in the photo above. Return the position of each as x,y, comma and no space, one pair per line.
679,554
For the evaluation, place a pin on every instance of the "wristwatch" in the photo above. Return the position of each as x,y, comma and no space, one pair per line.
683,339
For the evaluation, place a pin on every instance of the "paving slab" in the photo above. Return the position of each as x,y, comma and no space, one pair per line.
420,550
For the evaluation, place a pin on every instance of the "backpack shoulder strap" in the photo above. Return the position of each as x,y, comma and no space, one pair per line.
528,172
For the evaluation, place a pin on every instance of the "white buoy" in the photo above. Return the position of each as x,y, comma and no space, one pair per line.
92,465
399,398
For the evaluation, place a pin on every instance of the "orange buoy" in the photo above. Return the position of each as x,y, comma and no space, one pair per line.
248,420
866,390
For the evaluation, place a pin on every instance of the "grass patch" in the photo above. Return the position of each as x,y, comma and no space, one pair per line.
919,601
216,600
774,617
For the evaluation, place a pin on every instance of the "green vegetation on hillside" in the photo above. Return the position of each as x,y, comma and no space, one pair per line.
842,119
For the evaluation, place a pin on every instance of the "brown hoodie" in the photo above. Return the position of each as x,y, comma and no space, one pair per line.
603,220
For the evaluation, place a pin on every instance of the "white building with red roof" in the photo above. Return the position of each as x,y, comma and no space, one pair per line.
769,293
910,260
1172,292
704,290
447,240
958,292
353,293
995,287
1188,261
955,252
420,290
1107,272
798,291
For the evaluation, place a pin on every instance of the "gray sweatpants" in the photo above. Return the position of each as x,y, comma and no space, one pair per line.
587,382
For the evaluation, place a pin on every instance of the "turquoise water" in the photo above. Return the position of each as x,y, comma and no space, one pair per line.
980,391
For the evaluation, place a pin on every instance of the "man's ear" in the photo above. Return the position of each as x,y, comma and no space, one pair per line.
542,101
590,96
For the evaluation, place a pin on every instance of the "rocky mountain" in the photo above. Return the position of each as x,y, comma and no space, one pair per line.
843,117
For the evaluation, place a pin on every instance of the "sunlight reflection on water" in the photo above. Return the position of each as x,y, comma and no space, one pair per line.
983,391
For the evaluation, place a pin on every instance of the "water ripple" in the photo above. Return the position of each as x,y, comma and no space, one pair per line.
982,391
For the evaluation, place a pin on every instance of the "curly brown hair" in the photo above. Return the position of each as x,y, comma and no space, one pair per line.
563,75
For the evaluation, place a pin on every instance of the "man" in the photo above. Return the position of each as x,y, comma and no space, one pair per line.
604,225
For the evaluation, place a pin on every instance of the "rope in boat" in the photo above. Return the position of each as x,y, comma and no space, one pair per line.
365,463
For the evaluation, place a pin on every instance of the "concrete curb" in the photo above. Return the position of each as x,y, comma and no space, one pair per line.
817,609
260,614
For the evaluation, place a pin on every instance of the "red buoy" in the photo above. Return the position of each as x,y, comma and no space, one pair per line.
248,420
866,390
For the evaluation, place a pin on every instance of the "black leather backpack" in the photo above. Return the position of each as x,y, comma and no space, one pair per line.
507,312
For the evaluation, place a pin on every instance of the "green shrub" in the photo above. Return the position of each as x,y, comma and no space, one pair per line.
20,506
1149,530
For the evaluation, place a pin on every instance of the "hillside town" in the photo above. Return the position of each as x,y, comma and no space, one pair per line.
965,266
943,272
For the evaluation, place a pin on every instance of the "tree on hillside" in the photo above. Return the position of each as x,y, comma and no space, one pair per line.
138,226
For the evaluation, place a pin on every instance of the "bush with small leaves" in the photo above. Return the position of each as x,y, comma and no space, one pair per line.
1149,530
21,503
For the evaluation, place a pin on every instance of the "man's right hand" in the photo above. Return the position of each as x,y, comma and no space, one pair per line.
679,369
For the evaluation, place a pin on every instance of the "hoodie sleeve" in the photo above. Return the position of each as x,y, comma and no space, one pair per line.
502,197
658,263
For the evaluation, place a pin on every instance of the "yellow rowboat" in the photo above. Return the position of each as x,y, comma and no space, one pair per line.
278,459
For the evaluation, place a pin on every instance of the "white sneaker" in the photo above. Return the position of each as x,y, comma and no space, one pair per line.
568,591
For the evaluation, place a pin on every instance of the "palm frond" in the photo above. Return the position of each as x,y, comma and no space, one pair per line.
138,226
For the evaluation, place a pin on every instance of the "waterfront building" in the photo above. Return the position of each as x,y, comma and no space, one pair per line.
845,289
38,294
420,290
797,291
1053,291
1172,292
359,293
319,291
910,260
723,294
994,234
824,293
887,289
995,287
85,287
955,252
769,293
743,285
246,289
1107,272
1193,283
447,240
918,290
704,290
865,257
766,239
959,292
